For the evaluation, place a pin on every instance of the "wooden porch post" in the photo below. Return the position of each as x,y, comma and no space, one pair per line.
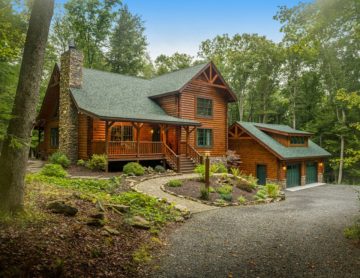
187,139
138,127
107,144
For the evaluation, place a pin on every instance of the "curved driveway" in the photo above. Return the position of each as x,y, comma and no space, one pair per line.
299,237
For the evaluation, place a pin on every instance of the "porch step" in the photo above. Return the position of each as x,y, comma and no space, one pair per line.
186,164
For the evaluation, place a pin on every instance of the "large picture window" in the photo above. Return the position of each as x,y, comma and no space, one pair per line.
204,107
204,137
54,137
122,133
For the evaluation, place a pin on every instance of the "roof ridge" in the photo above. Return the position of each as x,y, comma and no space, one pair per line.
176,71
115,73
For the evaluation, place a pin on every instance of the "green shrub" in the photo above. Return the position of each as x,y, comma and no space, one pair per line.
218,168
81,162
97,162
235,172
159,169
226,196
60,159
204,193
53,170
200,169
133,168
174,183
211,189
225,189
272,190
261,194
353,232
242,200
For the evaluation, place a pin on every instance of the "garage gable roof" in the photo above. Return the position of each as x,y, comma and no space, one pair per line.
283,152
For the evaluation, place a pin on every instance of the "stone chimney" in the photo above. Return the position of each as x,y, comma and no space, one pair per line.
70,77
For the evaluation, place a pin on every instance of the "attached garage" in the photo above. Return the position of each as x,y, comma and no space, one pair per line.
311,172
277,153
293,175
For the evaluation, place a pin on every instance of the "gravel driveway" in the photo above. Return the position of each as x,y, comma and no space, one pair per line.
299,237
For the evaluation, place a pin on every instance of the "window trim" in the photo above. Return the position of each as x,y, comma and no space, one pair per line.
201,115
211,138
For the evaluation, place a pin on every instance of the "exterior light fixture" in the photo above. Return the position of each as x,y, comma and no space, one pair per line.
284,168
151,131
207,153
320,164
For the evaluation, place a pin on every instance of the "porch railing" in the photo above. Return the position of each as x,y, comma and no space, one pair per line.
172,158
193,154
133,148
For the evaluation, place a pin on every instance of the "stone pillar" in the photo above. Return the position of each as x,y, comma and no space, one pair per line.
70,77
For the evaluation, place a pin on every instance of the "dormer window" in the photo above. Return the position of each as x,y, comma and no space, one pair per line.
297,140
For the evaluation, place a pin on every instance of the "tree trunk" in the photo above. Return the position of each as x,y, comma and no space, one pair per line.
341,164
15,150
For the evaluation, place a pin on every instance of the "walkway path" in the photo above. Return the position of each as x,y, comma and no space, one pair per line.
152,187
34,166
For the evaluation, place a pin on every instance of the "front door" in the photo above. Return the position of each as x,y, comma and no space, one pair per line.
293,175
261,174
311,172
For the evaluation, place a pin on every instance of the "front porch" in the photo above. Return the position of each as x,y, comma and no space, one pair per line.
136,141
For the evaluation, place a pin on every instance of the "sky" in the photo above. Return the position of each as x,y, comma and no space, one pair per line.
181,25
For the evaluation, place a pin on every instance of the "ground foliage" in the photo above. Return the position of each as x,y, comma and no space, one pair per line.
38,243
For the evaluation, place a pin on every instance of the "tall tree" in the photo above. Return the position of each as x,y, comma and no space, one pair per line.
127,53
89,23
165,64
15,150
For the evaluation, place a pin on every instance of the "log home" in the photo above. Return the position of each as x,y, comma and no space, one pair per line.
277,153
176,117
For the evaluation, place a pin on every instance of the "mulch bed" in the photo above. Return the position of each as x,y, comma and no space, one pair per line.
191,188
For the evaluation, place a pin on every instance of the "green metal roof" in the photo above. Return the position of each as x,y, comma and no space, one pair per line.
313,150
115,96
282,128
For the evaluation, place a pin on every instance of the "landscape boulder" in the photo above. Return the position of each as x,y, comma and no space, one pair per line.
62,208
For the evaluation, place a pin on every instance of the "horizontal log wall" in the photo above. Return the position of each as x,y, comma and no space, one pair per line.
252,154
218,121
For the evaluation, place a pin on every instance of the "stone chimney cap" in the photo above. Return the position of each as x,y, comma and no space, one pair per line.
72,44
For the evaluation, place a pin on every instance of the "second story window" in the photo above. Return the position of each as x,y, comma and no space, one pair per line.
204,107
122,133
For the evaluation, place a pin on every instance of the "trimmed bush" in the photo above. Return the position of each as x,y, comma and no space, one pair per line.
133,168
174,183
60,159
53,170
97,162
159,169
204,193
